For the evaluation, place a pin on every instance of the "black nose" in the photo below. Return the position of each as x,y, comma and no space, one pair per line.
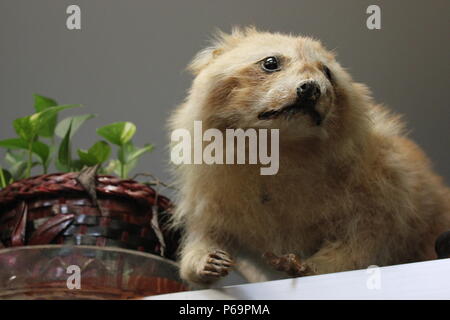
309,90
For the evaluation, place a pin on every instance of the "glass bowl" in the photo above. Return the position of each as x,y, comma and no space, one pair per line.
84,272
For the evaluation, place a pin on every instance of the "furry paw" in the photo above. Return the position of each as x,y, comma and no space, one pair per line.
216,265
289,263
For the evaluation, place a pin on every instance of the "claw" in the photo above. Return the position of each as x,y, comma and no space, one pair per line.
217,265
289,263
219,262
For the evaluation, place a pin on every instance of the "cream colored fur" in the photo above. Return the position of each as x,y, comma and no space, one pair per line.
350,193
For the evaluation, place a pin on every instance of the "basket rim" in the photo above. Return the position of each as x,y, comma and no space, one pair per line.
108,186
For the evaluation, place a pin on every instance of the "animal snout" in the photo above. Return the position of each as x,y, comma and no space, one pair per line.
308,91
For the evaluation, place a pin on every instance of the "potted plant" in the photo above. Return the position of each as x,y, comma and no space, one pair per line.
89,215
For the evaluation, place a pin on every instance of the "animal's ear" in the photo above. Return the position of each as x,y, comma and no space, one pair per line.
204,58
221,43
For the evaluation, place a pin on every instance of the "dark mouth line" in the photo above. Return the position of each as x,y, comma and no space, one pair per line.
292,109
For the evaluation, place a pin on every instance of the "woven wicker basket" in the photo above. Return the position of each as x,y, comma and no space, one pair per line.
55,209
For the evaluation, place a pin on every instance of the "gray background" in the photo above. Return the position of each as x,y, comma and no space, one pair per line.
127,62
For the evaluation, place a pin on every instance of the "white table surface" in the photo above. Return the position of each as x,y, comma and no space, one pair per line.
422,280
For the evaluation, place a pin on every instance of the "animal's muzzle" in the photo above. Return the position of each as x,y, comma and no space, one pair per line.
308,93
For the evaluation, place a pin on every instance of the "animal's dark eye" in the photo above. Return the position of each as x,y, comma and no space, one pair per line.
327,72
270,64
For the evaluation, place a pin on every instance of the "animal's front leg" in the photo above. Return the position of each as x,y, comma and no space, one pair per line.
216,265
334,257
203,261
290,264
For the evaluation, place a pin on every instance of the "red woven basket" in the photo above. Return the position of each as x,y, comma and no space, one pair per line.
55,209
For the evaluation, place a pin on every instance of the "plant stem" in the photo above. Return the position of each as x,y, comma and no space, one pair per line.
122,161
2,178
30,160
122,170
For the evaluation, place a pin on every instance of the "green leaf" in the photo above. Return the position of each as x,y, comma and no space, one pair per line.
24,128
86,158
5,177
118,133
40,104
139,152
128,156
129,166
98,153
77,165
64,154
17,162
113,167
53,148
123,155
12,157
101,151
77,122
18,170
28,127
124,152
60,167
43,118
40,149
